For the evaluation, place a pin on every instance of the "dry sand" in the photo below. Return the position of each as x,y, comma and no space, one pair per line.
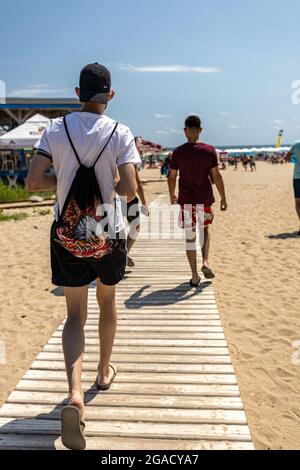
257,287
256,255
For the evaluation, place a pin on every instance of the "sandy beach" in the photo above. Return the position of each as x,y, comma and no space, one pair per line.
256,258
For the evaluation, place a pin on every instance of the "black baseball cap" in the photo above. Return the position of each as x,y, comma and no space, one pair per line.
94,83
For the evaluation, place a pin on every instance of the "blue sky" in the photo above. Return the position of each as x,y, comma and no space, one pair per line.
235,62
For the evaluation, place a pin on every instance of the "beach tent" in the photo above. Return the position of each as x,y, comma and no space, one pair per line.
25,135
257,150
233,150
145,147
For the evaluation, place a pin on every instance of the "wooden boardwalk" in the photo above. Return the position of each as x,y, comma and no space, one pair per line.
175,388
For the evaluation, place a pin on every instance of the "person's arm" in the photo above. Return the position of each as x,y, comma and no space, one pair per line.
127,185
172,178
37,179
218,180
141,194
140,189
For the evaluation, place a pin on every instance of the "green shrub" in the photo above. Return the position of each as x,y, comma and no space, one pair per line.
19,193
16,216
44,211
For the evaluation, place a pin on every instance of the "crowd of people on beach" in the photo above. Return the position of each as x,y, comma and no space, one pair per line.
249,161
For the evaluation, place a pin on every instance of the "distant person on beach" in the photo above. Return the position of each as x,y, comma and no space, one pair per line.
294,155
131,211
165,168
245,162
87,236
197,165
252,163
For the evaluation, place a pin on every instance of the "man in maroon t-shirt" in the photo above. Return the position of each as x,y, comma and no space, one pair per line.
197,164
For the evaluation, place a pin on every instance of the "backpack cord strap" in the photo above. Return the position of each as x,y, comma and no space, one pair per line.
70,140
106,144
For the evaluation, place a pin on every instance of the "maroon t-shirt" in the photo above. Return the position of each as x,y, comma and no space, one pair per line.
194,163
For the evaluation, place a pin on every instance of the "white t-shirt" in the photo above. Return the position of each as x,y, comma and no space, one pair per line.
89,133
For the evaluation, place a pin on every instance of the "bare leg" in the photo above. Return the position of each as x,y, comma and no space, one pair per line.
191,253
107,330
132,237
298,207
205,246
73,342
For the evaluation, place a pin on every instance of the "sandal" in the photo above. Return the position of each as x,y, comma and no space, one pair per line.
72,428
130,262
208,273
192,284
107,386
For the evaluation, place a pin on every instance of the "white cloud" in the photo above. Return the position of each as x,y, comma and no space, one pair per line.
162,116
162,132
277,121
233,126
32,91
168,131
169,69
224,113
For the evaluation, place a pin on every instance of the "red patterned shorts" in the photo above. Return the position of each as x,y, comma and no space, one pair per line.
192,214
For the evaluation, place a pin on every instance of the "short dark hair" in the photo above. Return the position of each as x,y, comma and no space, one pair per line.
193,122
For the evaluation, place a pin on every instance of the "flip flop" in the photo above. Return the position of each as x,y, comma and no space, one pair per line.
208,274
130,262
72,428
192,284
107,386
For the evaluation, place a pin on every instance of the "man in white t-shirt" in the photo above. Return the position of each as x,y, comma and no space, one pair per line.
90,130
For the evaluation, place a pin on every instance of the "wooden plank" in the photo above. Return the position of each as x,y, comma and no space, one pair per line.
139,378
149,401
156,415
130,286
92,339
158,286
46,442
166,308
136,361
165,342
210,368
92,346
160,295
183,390
131,303
169,357
147,354
132,429
164,329
125,323
130,298
151,315
204,339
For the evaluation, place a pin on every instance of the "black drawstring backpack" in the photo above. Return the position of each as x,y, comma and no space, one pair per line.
81,229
